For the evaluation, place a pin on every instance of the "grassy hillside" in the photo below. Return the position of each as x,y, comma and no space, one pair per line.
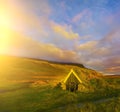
24,70
28,85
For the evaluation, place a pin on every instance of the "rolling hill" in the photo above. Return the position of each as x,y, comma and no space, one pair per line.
17,69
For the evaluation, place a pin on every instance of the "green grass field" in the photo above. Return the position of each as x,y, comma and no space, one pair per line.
28,85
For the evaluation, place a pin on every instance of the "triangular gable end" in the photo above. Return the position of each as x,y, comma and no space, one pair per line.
72,71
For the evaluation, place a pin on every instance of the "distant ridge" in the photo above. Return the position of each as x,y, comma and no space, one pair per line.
54,62
68,63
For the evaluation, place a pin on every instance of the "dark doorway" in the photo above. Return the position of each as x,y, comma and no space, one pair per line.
72,86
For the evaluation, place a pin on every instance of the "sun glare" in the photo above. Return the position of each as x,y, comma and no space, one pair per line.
4,20
4,40
5,24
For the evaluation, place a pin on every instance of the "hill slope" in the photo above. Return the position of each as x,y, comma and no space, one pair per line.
30,70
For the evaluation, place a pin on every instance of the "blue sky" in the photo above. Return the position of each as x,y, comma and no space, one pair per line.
80,31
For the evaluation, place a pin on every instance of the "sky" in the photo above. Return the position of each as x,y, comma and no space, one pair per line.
77,31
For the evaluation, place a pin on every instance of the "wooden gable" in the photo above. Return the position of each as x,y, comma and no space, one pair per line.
72,77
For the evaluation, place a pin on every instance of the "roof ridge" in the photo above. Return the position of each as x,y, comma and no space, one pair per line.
72,71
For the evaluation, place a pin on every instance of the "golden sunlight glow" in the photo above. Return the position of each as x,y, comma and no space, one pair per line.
5,15
4,39
5,24
4,20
